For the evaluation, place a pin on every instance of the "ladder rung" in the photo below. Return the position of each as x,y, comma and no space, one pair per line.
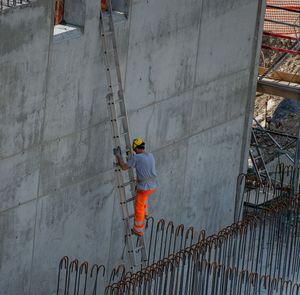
129,216
119,100
110,97
108,51
112,87
126,183
121,117
131,199
138,248
107,33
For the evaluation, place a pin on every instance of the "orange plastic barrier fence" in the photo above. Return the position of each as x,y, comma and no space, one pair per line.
282,16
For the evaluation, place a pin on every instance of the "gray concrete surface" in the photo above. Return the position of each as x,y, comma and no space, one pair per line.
188,78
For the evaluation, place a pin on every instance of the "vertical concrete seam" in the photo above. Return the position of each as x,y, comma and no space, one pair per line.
51,7
261,6
193,96
252,82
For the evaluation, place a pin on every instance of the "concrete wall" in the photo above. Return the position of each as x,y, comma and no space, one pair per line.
188,78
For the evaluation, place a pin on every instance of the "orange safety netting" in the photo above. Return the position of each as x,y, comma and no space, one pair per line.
282,16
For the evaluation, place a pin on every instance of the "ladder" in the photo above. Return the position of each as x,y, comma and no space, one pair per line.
120,133
257,160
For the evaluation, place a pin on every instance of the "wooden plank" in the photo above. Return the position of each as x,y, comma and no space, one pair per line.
281,76
279,88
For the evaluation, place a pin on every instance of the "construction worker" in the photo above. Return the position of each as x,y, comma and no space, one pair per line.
144,164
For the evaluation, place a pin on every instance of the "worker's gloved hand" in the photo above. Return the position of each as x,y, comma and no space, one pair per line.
117,152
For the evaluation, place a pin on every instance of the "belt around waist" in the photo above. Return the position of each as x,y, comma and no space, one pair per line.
145,179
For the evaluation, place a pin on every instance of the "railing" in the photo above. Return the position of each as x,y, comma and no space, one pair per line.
5,4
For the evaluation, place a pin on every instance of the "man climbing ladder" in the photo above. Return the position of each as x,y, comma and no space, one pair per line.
121,136
144,164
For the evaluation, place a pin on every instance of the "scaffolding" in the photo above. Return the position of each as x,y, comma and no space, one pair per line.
282,23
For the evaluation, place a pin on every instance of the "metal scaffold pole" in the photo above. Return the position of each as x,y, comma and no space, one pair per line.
297,164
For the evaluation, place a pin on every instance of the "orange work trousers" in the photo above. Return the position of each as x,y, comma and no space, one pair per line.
103,5
141,210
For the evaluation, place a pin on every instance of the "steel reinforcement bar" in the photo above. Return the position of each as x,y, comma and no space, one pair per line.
251,193
265,242
164,238
206,279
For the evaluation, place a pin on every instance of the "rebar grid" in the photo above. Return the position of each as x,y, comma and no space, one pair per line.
251,193
164,239
209,278
265,243
260,252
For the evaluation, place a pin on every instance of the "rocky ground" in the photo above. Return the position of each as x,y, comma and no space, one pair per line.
283,113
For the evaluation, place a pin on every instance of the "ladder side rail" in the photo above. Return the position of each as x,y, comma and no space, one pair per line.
107,65
121,188
114,42
121,96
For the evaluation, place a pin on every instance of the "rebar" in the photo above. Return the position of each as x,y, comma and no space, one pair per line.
252,194
260,252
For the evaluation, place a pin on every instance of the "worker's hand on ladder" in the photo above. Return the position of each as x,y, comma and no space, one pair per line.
117,152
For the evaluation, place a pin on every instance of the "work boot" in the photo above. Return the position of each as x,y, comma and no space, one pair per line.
134,232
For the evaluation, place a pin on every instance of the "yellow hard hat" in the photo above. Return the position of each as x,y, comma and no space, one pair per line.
137,142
